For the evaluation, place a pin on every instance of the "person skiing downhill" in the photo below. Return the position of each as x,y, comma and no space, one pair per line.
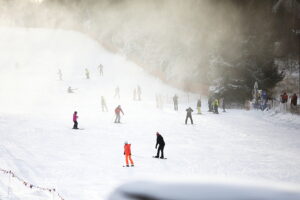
161,145
60,74
117,92
118,112
75,117
189,115
175,101
127,153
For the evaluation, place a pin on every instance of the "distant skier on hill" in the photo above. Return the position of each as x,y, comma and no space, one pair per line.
70,90
199,106
87,73
127,153
100,67
175,101
118,112
161,145
103,104
139,92
117,92
189,115
60,75
210,106
75,117
134,94
294,99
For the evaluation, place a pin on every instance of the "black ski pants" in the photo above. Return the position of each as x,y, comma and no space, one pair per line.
187,117
75,125
160,149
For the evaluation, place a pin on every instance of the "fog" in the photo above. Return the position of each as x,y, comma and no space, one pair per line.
176,41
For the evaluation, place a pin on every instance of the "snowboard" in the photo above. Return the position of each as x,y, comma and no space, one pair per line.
160,158
126,166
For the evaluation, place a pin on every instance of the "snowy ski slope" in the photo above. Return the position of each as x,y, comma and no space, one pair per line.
38,144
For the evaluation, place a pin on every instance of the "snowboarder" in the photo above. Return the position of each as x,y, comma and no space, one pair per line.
161,145
60,75
175,100
100,67
117,92
189,115
216,106
103,104
118,112
139,92
199,106
70,90
75,117
134,94
127,153
87,73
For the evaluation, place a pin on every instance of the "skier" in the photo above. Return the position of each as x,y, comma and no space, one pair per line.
60,74
161,145
127,153
223,104
75,117
210,109
70,90
103,104
139,92
294,101
87,73
189,115
134,94
100,67
175,100
199,106
117,92
216,106
284,100
118,112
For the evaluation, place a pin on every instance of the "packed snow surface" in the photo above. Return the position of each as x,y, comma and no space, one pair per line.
39,144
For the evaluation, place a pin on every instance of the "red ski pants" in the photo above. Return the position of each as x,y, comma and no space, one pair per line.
128,157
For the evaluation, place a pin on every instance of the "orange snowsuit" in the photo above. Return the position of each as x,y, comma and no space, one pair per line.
127,153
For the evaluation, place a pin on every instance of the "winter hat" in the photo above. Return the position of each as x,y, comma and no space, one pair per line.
126,142
157,133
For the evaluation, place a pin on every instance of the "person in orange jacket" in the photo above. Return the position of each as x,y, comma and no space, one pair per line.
127,153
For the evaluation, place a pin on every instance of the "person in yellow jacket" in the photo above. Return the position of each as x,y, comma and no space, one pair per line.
216,106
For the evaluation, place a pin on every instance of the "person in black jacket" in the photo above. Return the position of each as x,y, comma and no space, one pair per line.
161,145
189,115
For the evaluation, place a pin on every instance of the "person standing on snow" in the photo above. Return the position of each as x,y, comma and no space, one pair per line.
189,115
216,106
87,73
60,74
127,153
134,94
139,92
199,106
161,145
118,112
100,67
103,104
175,101
75,117
117,92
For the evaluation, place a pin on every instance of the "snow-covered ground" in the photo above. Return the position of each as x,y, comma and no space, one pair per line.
38,144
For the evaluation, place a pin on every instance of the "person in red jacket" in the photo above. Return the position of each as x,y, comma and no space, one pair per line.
118,112
127,153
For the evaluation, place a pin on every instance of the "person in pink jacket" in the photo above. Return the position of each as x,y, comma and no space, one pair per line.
75,117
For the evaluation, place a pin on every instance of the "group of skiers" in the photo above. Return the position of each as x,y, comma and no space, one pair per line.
160,150
284,98
86,72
